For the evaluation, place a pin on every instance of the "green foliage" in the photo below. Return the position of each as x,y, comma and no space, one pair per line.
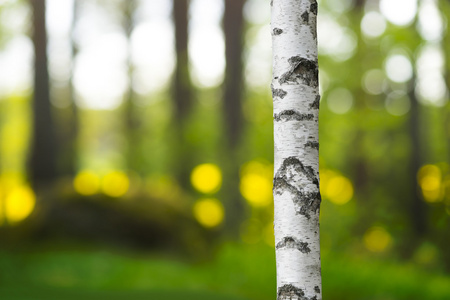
236,272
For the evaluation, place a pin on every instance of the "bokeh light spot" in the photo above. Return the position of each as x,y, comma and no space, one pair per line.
398,68
19,204
372,81
340,101
206,178
373,24
86,183
256,189
115,184
338,190
377,239
256,183
399,12
429,178
209,212
397,103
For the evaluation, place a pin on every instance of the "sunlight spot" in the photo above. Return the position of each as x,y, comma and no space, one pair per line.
209,212
399,12
373,24
377,239
19,204
206,178
372,81
153,65
339,190
256,183
340,101
431,87
397,103
206,42
115,184
431,26
86,183
398,68
337,41
429,178
340,6
100,75
426,254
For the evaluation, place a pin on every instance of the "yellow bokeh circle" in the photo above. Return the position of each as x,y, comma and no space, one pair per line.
256,189
206,178
19,204
86,183
115,184
429,178
377,239
209,212
338,189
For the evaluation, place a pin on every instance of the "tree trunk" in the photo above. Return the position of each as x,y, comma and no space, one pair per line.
43,166
182,92
417,207
181,84
134,158
295,89
233,27
69,141
233,24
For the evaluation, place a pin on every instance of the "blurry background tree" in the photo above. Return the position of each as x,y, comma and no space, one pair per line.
148,127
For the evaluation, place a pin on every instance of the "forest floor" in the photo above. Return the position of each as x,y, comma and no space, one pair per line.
237,272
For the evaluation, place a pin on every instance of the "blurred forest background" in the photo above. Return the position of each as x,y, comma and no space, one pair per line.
136,149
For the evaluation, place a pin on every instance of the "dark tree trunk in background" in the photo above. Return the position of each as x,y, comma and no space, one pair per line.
418,208
181,83
42,164
360,167
69,138
233,26
233,23
182,92
131,115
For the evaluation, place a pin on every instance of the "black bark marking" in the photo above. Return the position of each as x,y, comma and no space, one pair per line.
313,7
291,115
302,70
293,243
305,17
277,31
306,202
280,93
290,292
314,145
316,103
317,289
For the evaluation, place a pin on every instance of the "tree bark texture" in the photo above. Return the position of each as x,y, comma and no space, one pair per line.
43,166
295,90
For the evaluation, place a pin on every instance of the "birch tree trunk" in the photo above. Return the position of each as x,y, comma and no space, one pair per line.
295,89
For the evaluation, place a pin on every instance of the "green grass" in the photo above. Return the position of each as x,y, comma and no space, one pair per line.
237,273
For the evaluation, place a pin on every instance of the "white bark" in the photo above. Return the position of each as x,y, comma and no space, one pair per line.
296,182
